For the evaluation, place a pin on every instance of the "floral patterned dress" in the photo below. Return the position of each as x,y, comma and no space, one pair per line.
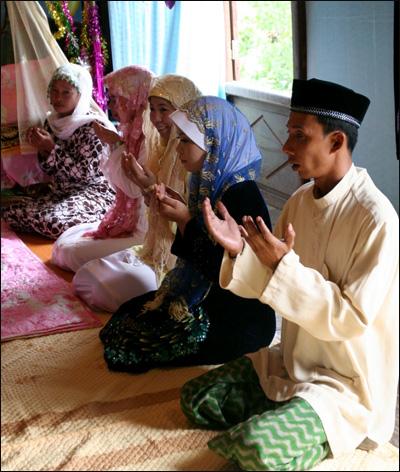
78,193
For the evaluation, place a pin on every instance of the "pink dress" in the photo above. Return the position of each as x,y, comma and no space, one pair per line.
123,217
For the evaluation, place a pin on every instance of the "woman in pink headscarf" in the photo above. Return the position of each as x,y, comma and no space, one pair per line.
125,223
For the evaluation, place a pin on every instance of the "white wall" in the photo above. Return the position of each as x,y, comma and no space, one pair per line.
351,42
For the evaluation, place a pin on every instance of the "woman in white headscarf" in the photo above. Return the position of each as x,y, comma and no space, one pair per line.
69,152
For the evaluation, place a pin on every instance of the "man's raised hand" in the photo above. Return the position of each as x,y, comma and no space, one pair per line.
265,245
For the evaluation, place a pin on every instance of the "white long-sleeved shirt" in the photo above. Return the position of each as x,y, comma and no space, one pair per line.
115,174
337,292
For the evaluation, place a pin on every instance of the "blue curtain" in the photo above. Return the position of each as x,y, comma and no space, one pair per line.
188,39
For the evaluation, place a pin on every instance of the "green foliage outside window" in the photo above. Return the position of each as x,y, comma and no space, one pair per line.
265,43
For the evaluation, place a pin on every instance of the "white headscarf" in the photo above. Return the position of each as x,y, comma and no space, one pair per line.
80,78
189,128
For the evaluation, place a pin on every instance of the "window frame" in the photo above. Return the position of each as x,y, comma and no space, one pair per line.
299,38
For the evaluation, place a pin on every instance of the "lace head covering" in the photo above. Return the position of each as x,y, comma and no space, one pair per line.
177,90
164,163
174,88
80,78
232,157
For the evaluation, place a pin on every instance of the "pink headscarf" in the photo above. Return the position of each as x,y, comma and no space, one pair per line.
132,83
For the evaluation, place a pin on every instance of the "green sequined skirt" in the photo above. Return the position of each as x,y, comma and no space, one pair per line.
136,342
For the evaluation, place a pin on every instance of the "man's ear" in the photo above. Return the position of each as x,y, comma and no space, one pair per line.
338,139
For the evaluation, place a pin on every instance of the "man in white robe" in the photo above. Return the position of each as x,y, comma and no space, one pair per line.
331,271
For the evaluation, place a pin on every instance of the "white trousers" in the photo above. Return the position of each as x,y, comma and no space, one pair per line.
72,250
108,282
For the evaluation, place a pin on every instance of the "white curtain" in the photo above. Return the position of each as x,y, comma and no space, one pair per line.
36,56
188,40
201,55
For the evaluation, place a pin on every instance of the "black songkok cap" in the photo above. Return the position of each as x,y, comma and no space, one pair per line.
318,97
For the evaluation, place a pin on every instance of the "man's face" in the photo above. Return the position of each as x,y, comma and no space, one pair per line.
309,150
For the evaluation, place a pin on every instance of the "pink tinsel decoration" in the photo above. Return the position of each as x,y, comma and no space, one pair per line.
65,8
97,60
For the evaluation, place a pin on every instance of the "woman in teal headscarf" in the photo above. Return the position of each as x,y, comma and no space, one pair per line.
190,320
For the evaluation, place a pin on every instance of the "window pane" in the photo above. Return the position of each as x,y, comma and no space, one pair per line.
264,34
